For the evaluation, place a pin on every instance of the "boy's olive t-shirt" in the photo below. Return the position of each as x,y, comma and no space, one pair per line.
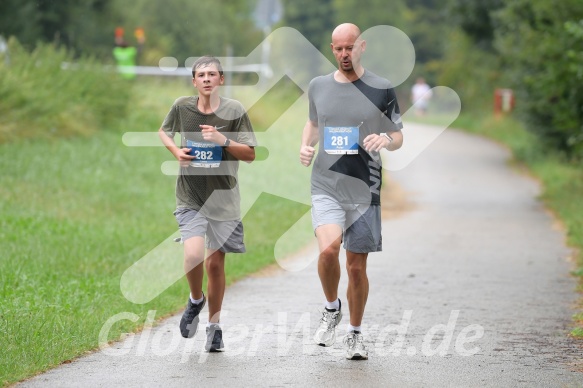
212,191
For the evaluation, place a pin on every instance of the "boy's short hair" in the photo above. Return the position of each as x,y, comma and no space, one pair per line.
204,61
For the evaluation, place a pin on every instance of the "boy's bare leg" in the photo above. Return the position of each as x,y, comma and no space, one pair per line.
193,266
215,269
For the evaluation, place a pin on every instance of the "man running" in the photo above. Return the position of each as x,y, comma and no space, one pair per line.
353,115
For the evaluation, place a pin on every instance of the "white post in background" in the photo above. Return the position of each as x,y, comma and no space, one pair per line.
265,53
267,13
4,50
229,73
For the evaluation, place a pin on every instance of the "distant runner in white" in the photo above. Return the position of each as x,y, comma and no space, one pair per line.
420,95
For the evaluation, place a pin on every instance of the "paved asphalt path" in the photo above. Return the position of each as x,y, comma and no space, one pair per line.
473,289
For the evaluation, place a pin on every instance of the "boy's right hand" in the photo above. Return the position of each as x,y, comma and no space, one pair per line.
184,157
306,155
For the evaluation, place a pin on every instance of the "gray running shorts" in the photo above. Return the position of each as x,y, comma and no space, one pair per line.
361,224
226,236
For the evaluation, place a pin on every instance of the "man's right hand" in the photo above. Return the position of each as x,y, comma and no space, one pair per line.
306,155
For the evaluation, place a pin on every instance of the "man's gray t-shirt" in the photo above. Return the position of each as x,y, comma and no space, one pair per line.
368,104
213,191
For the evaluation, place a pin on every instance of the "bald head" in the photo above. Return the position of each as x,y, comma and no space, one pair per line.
346,31
347,47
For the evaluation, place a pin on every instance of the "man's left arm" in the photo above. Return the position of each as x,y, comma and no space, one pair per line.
390,136
388,140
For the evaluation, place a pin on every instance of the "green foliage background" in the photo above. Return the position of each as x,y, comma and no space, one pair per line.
474,46
40,100
534,47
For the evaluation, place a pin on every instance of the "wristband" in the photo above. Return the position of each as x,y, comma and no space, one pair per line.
388,137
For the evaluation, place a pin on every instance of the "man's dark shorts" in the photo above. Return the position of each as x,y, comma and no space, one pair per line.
361,224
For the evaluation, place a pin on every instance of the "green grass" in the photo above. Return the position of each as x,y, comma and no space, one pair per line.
78,211
562,179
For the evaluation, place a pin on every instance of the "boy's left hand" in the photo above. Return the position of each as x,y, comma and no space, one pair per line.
210,133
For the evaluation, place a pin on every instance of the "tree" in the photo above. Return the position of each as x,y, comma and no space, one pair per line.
475,18
467,60
542,44
370,13
184,28
314,20
179,28
79,25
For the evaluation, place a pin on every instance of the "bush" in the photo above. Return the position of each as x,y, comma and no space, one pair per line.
542,43
41,98
473,74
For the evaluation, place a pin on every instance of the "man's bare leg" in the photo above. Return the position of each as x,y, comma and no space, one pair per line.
357,292
329,239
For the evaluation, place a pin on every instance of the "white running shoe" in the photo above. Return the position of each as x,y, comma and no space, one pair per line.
354,346
326,332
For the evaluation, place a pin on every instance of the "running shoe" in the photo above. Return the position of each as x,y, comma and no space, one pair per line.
354,346
326,332
214,338
190,318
